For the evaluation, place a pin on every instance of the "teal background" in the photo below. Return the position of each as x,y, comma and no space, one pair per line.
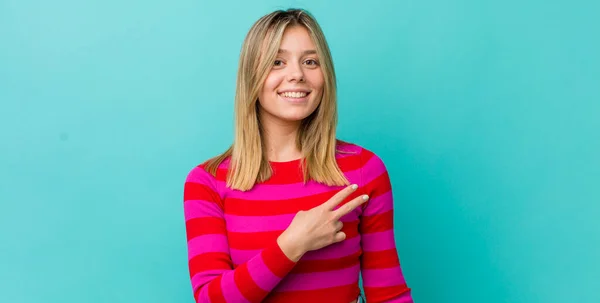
486,113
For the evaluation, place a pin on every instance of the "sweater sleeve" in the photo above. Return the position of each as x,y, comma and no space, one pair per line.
382,276
212,275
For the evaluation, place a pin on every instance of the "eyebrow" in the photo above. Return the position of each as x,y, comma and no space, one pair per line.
306,52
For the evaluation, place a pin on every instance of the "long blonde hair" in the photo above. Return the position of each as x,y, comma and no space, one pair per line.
317,134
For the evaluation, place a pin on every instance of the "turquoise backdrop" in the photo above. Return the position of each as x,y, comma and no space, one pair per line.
486,113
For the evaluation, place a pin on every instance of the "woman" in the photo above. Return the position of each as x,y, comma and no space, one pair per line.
289,213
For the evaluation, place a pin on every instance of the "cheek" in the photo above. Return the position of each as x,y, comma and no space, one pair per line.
271,83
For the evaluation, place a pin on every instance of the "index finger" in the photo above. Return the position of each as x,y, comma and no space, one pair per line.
339,197
350,206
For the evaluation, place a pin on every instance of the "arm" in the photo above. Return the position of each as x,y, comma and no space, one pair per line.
211,269
382,276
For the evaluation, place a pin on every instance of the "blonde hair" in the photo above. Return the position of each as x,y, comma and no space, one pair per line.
317,134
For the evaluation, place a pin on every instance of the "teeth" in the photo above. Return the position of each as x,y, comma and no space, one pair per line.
294,94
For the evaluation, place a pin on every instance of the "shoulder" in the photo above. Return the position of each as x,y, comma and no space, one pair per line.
367,158
200,173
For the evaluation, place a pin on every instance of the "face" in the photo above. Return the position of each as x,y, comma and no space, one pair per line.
294,86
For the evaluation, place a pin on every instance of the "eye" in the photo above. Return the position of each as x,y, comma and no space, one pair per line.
277,62
311,62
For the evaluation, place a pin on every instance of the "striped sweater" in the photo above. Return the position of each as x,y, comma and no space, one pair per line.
233,254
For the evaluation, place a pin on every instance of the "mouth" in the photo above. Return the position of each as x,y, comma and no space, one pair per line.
294,97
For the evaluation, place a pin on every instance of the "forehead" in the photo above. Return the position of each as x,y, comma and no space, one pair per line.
296,39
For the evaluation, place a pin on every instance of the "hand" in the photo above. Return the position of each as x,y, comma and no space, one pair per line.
318,227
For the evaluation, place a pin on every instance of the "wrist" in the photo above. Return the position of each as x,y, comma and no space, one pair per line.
291,249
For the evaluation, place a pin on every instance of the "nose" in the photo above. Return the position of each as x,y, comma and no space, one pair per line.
295,73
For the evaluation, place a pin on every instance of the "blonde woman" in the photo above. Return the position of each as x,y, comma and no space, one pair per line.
289,213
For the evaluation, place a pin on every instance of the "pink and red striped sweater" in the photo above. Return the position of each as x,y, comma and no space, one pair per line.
232,237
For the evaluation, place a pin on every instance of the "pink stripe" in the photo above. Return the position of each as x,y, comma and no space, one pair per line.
230,289
320,280
258,223
378,241
251,224
334,251
207,243
379,204
383,277
199,175
277,192
205,277
199,209
372,169
203,296
352,149
404,298
261,274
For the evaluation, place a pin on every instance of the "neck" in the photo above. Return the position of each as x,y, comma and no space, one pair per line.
280,139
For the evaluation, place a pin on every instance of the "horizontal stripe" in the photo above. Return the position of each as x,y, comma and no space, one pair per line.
379,204
257,240
372,168
247,286
345,293
287,191
333,251
200,186
251,224
207,244
281,207
380,259
378,241
206,276
397,294
307,281
215,293
277,262
378,186
258,223
377,223
204,226
308,266
336,250
261,274
230,290
383,277
201,208
293,170
209,261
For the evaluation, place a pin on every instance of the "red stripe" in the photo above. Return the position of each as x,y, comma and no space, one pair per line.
259,240
244,282
293,171
384,294
346,293
379,185
311,266
380,259
215,293
276,260
199,191
377,223
244,207
366,155
209,261
204,226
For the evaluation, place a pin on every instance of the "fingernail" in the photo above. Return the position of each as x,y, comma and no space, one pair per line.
365,197
354,186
